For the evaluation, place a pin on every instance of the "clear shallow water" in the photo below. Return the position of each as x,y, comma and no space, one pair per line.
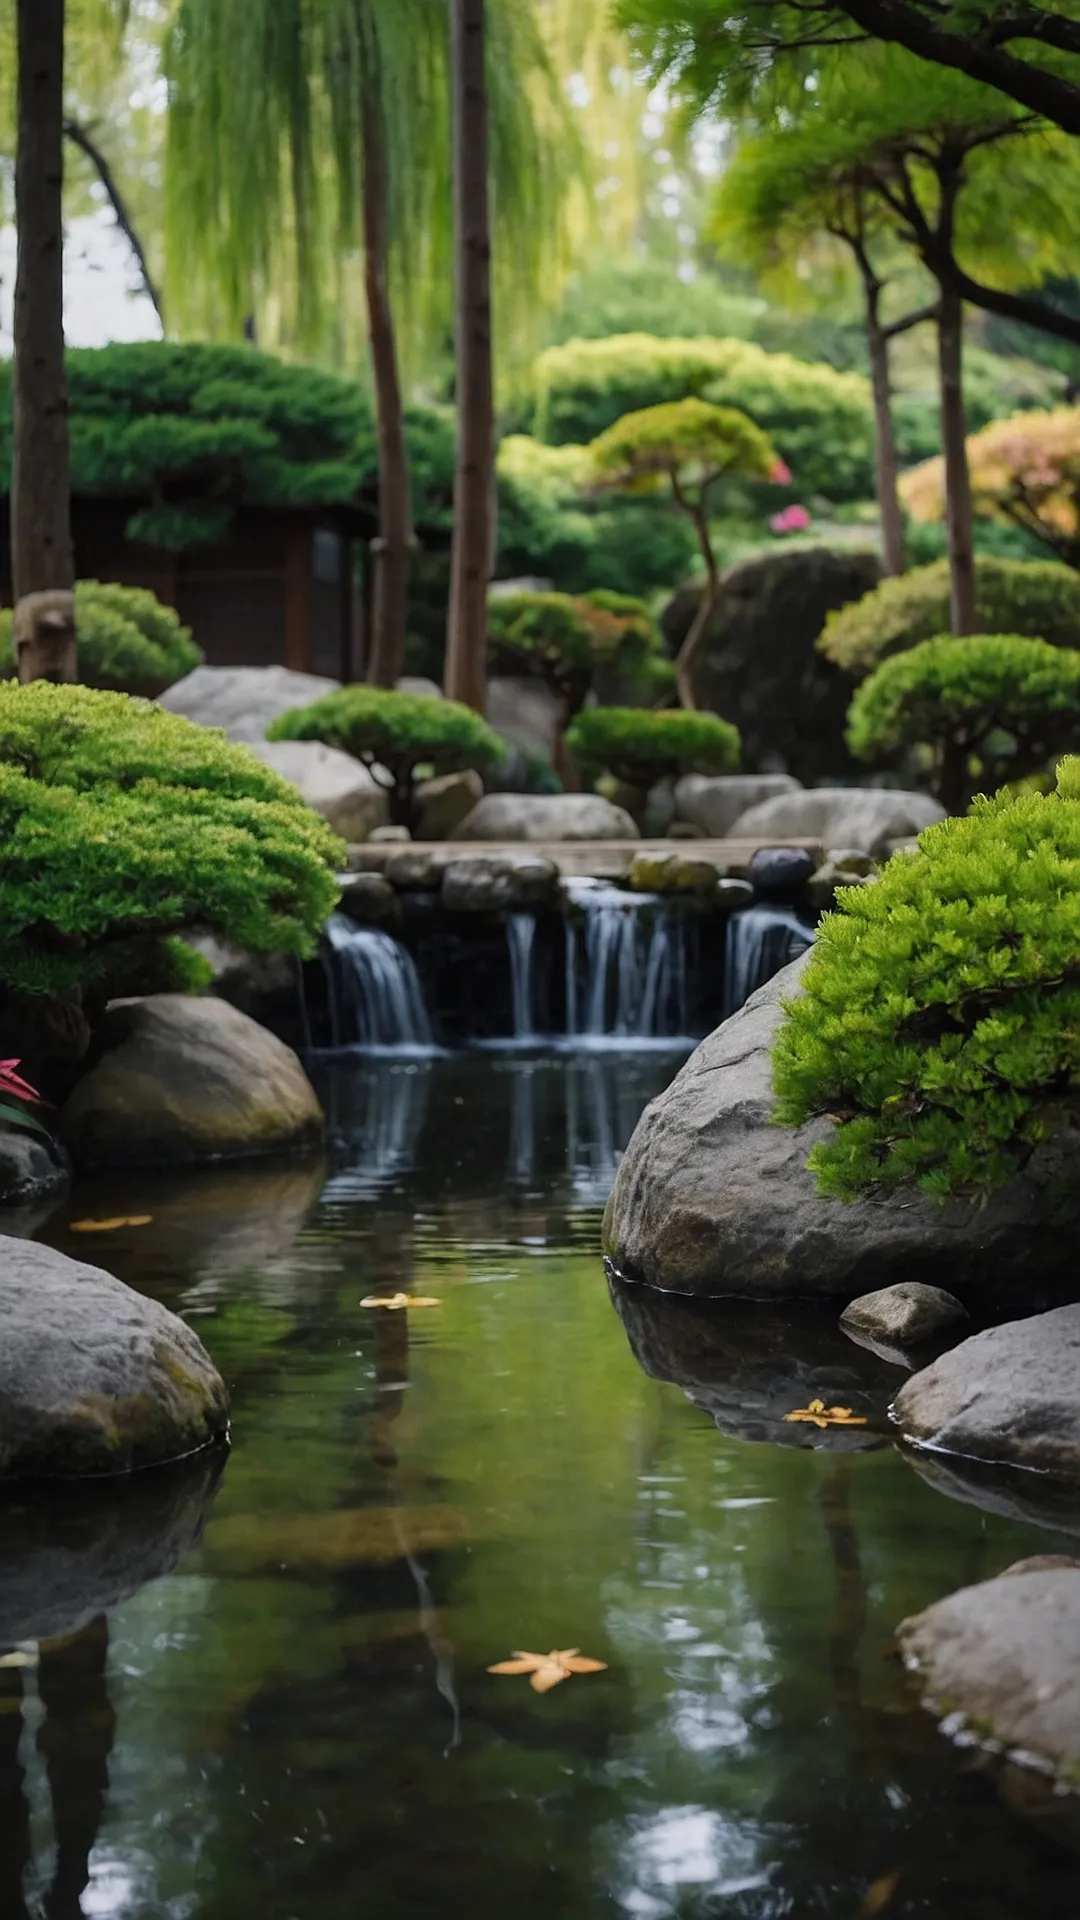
295,1722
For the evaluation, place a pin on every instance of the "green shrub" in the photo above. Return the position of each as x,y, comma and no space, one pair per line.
640,748
122,825
128,641
398,736
565,639
990,708
549,529
940,1018
1036,598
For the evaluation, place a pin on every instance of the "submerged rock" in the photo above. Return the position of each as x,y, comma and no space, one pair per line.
863,818
712,1197
1010,1395
546,816
181,1078
902,1315
94,1378
1038,1499
32,1169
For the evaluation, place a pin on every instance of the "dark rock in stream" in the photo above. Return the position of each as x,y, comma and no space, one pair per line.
896,1321
33,1169
1010,1395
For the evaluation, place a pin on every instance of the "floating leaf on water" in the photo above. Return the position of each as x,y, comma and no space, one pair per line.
819,1415
546,1670
879,1894
18,1659
398,1302
111,1226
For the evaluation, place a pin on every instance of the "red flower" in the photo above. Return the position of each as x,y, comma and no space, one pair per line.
11,1082
780,474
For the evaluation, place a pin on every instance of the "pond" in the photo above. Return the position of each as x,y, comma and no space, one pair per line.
297,1722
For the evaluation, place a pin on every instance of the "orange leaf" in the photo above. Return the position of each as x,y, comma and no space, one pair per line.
110,1226
879,1894
525,1665
398,1302
574,1663
549,1675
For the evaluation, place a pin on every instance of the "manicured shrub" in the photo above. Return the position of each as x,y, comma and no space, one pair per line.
123,825
990,708
1024,471
1031,597
549,529
640,748
128,641
939,1022
398,736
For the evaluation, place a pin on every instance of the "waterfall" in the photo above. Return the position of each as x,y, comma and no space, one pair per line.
375,996
760,940
521,944
625,964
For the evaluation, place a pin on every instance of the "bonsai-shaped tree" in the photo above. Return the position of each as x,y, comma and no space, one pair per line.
565,639
1024,471
397,736
989,708
939,1015
128,641
1031,597
639,748
687,446
124,825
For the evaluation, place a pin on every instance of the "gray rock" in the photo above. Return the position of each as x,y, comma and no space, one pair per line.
187,1079
370,899
866,818
333,783
998,1663
243,700
733,895
834,872
390,836
419,683
1010,1395
94,1378
779,873
714,803
712,1197
546,816
902,1315
525,712
495,883
262,985
417,869
32,1169
443,803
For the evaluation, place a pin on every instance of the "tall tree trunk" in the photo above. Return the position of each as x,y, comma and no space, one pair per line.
885,462
958,512
391,550
474,476
42,561
686,657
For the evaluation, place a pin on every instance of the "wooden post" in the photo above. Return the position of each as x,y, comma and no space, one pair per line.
298,596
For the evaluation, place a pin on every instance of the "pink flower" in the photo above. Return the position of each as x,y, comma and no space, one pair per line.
12,1082
791,520
780,474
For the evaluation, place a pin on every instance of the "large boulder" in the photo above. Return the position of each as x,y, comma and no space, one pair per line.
185,1079
243,700
866,819
999,1663
443,803
94,1378
713,1198
32,1169
714,802
333,783
760,667
1010,1395
546,817
526,713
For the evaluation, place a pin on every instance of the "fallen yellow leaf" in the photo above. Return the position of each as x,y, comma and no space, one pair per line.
110,1226
18,1659
819,1415
397,1302
879,1894
546,1670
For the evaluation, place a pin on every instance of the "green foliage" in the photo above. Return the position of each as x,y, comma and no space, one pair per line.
990,708
565,640
123,825
940,1016
549,529
640,748
396,735
1032,597
689,442
819,419
128,641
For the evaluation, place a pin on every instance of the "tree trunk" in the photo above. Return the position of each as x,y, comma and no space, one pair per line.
42,561
952,777
474,476
686,657
390,551
958,513
885,463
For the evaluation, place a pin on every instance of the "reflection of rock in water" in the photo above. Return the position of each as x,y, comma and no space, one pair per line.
68,1553
1014,1492
747,1365
375,1113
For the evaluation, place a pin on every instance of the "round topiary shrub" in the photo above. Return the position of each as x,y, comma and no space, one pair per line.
987,709
123,825
398,736
1036,598
640,748
939,1022
128,641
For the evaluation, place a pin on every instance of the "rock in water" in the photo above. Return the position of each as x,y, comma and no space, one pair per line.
1010,1395
902,1315
1000,1659
712,1197
187,1079
546,816
32,1169
93,1377
496,882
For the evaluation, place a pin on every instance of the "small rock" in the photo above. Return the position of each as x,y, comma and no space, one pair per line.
852,860
1009,1395
416,869
443,803
713,803
902,1315
821,886
332,783
243,700
869,818
494,883
685,830
672,873
732,895
390,836
779,873
546,816
95,1378
32,1168
370,899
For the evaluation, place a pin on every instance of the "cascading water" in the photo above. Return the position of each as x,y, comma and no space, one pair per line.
374,989
521,945
625,964
760,940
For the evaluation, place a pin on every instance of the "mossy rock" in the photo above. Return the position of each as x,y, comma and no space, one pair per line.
672,873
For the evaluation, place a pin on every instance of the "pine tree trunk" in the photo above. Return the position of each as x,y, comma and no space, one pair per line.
42,561
686,658
390,552
474,476
885,462
958,512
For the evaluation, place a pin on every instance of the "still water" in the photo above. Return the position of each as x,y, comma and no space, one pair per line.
294,1721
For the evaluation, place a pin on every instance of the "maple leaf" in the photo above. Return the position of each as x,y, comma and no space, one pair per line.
110,1226
547,1670
819,1415
397,1302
